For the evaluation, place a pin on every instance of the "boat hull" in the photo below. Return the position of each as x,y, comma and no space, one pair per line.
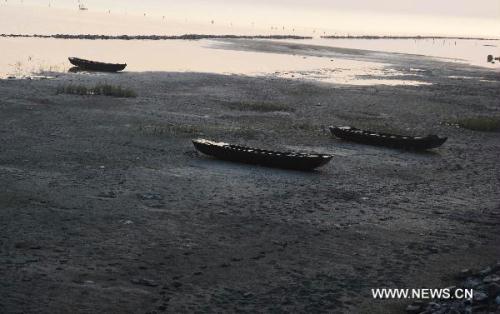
249,155
388,140
96,66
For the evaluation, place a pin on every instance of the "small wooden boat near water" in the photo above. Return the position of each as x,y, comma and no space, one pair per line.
268,158
389,140
96,66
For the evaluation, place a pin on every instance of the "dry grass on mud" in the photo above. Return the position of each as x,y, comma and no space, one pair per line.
484,124
98,89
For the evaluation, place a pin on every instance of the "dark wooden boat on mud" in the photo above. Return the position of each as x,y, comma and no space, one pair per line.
268,158
389,140
97,66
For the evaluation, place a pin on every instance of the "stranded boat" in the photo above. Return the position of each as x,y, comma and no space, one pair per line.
390,140
268,158
96,66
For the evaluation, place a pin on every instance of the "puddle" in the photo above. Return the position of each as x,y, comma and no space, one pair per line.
364,76
459,77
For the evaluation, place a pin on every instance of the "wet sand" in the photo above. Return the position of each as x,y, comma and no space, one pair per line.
105,206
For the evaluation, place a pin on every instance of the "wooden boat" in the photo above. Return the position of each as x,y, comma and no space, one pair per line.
268,158
389,140
96,66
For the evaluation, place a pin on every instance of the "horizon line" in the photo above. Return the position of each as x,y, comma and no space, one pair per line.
194,36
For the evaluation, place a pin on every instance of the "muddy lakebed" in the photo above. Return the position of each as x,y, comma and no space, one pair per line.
105,206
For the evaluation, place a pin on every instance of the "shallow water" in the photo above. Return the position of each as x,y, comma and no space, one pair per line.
467,51
25,56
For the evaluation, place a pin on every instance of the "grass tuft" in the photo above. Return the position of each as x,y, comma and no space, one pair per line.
306,127
260,107
99,89
483,124
187,130
170,129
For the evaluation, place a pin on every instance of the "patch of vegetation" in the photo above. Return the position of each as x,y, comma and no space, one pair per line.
170,129
99,89
483,124
306,127
187,130
307,90
260,107
154,37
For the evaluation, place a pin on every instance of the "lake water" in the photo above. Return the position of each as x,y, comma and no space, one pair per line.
25,56
466,51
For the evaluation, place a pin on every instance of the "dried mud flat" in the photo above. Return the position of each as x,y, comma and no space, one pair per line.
105,207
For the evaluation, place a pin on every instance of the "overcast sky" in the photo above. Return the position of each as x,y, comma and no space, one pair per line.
457,8
392,17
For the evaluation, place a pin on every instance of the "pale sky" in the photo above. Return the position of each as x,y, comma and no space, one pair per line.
384,17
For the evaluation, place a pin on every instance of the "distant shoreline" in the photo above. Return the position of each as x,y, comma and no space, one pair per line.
405,37
206,36
154,37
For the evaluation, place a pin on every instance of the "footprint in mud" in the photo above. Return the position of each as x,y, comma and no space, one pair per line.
258,257
144,282
107,194
176,284
148,196
154,200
